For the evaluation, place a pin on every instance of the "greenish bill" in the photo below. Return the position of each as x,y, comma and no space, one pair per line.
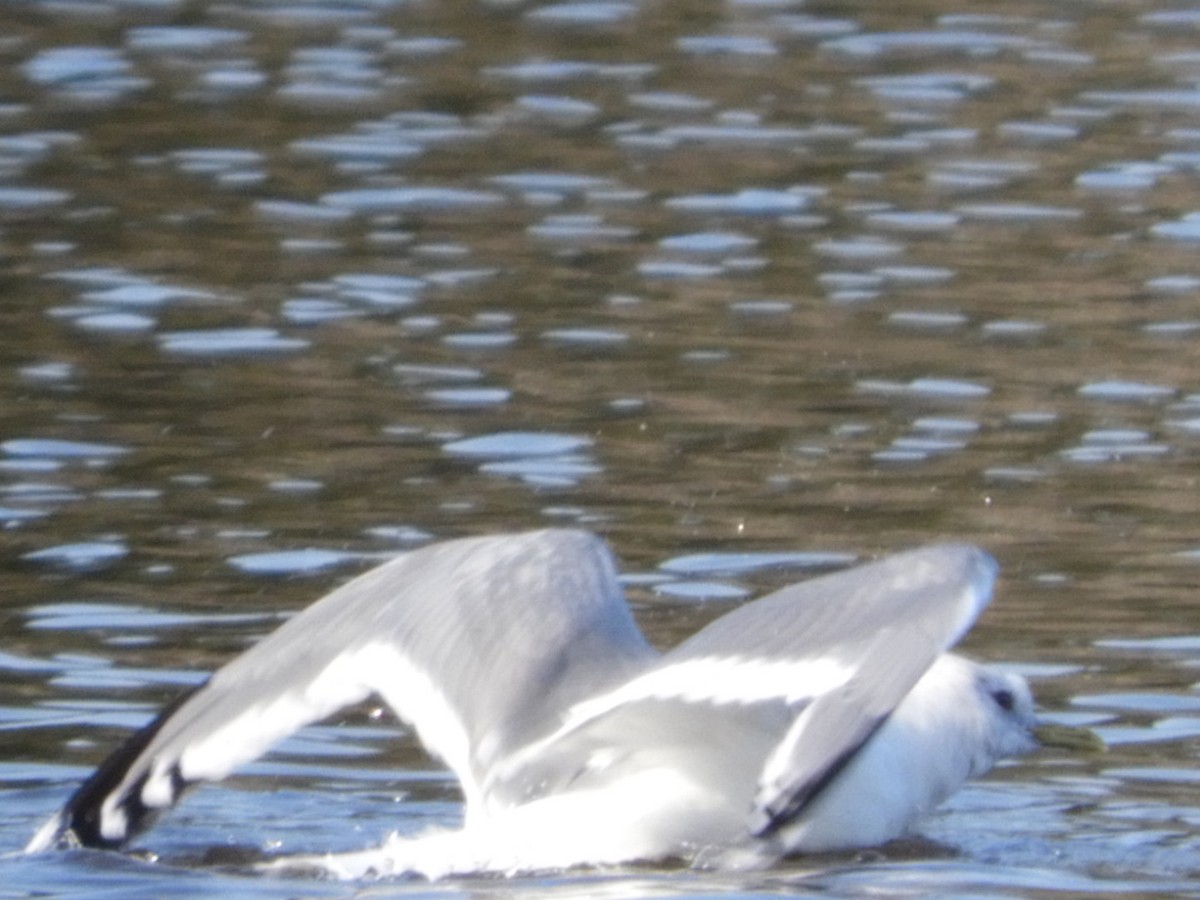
1069,737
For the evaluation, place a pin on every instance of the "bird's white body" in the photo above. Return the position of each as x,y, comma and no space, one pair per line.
661,812
941,718
826,716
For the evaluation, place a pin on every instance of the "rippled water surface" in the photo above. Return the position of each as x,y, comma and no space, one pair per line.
753,287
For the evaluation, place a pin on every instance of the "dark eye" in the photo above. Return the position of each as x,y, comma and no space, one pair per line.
1004,699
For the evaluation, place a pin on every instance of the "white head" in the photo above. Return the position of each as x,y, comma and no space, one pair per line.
1006,704
983,714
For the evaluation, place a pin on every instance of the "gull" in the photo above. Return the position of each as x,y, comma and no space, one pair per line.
825,716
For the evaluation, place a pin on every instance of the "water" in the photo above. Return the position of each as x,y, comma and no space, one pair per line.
752,287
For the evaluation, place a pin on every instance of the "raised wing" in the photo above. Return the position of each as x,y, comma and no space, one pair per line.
872,631
768,703
480,644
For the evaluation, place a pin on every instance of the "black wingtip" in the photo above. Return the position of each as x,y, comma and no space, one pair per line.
83,821
768,819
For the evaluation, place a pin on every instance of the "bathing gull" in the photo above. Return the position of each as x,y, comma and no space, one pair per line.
827,715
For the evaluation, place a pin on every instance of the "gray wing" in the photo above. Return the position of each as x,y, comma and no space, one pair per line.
835,654
874,630
480,644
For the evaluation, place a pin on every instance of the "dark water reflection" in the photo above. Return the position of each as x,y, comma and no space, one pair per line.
752,286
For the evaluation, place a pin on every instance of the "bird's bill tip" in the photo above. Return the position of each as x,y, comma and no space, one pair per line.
1073,738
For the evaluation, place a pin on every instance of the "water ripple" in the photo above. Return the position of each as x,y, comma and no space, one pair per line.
85,556
427,199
